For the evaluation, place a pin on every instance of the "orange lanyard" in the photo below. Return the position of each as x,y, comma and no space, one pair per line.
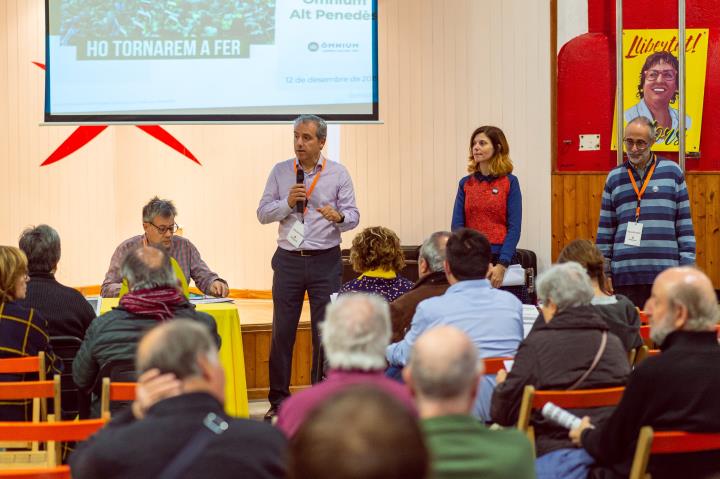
312,185
641,192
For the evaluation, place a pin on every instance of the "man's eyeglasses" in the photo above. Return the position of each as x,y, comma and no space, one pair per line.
653,75
639,144
164,229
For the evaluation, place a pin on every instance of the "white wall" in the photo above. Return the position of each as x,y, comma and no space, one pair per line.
572,20
445,67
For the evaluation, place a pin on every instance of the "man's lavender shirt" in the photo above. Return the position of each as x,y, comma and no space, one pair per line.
334,188
185,253
296,408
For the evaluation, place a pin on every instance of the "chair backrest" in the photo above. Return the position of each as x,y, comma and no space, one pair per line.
60,472
15,390
642,353
114,392
65,348
493,365
645,332
118,370
576,399
28,364
644,319
51,432
669,442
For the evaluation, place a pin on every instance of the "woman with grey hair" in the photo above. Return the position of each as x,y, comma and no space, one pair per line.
67,312
573,349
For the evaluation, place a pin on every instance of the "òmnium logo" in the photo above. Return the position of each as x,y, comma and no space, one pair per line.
313,46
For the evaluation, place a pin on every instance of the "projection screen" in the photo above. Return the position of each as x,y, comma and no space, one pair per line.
152,61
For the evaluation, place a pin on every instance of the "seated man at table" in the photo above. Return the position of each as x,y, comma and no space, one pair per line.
159,225
181,392
355,333
154,297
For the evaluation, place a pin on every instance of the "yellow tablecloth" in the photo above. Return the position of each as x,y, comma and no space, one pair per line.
231,353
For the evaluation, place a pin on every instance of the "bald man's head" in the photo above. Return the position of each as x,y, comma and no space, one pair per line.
148,267
174,347
444,364
682,298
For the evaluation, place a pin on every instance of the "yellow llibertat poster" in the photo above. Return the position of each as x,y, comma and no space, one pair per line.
651,82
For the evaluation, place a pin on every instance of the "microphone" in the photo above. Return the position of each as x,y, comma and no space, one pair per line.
300,179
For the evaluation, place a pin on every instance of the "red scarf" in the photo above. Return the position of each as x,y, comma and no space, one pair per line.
155,303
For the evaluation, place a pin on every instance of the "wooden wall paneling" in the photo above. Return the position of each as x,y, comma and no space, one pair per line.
569,209
256,352
575,210
698,201
582,198
556,212
710,243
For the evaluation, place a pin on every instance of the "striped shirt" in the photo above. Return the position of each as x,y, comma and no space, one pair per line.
667,238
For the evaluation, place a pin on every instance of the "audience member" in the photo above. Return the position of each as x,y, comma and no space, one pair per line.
432,282
355,333
178,421
154,297
67,312
23,331
160,228
573,350
676,390
377,256
617,310
444,374
492,318
363,433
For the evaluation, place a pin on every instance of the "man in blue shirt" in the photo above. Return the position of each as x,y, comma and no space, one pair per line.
492,318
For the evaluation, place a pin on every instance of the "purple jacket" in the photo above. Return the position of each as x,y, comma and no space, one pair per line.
296,408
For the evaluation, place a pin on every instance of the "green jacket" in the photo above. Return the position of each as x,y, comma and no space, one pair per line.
462,447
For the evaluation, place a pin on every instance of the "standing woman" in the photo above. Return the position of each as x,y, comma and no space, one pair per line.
489,200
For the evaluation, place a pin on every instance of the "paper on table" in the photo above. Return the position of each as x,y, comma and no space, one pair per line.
210,300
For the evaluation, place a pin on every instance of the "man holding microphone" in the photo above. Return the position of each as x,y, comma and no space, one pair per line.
314,201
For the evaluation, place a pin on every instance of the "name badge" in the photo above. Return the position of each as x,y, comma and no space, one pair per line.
633,233
297,234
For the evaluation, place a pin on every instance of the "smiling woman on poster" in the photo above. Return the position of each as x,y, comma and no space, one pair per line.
658,88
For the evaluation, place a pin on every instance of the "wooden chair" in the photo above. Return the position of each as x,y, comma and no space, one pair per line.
65,348
641,352
668,442
581,399
28,365
51,432
493,365
60,472
27,452
643,316
114,392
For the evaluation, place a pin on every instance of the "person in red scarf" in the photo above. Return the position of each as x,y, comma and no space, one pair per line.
154,297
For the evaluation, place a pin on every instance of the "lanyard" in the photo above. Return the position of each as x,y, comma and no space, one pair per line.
312,185
641,191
